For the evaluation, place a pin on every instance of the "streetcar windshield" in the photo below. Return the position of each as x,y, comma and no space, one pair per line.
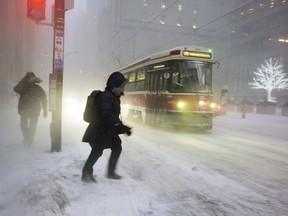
190,77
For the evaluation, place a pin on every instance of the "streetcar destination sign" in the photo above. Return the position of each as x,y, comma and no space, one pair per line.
188,53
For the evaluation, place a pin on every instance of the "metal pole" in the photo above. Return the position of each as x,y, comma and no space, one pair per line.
58,66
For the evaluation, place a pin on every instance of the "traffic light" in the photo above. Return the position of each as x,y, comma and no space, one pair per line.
36,9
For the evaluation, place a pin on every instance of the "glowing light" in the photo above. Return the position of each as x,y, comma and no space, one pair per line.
189,53
162,20
270,76
72,109
201,103
159,66
251,10
180,104
213,105
283,40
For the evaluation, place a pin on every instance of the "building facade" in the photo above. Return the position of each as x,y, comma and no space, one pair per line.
16,38
242,34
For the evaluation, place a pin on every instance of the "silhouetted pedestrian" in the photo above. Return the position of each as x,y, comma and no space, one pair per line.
243,111
32,99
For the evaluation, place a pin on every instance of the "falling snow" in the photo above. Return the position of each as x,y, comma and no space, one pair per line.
238,168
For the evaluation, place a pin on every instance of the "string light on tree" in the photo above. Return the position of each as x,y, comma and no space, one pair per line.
270,76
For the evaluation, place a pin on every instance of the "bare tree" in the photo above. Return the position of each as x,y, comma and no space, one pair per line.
270,76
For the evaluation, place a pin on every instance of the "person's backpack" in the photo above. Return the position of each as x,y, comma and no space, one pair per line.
90,112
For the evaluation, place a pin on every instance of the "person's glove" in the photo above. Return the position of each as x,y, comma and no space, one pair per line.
128,131
123,129
45,113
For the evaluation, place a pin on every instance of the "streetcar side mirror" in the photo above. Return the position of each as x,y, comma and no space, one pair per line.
217,64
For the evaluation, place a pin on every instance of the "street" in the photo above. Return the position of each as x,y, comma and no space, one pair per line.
238,168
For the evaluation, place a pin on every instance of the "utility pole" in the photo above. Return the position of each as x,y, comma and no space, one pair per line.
36,12
56,78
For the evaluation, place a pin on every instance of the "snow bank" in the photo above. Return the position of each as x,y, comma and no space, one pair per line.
44,197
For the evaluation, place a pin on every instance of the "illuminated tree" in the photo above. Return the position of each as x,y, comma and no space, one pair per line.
269,76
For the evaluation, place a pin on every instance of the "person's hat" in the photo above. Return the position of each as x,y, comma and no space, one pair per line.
116,79
31,78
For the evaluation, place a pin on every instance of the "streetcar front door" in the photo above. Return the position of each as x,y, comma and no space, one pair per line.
154,97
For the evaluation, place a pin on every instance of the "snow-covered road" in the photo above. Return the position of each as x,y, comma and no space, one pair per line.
239,168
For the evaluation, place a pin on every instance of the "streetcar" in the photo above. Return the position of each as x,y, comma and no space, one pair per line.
171,88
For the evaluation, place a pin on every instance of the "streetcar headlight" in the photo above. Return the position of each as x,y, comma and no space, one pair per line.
180,104
201,103
213,105
73,108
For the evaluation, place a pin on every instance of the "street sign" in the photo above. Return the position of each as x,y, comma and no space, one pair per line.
58,51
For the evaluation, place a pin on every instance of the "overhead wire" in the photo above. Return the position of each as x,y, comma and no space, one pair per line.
187,33
144,27
194,30
205,25
258,11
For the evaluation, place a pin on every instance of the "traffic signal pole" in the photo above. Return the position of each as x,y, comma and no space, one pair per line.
56,78
36,12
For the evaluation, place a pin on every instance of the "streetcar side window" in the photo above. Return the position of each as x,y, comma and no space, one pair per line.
136,80
131,81
140,79
153,86
160,75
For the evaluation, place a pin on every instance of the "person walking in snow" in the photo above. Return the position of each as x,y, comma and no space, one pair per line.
32,99
243,111
104,132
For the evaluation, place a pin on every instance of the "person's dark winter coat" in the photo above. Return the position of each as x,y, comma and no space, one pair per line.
104,132
32,96
32,99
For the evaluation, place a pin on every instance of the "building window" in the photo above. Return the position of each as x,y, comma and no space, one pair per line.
179,22
180,7
194,24
162,20
163,5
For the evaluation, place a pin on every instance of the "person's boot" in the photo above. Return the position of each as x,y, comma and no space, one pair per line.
88,178
114,176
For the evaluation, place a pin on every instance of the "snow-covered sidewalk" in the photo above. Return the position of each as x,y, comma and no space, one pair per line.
165,173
